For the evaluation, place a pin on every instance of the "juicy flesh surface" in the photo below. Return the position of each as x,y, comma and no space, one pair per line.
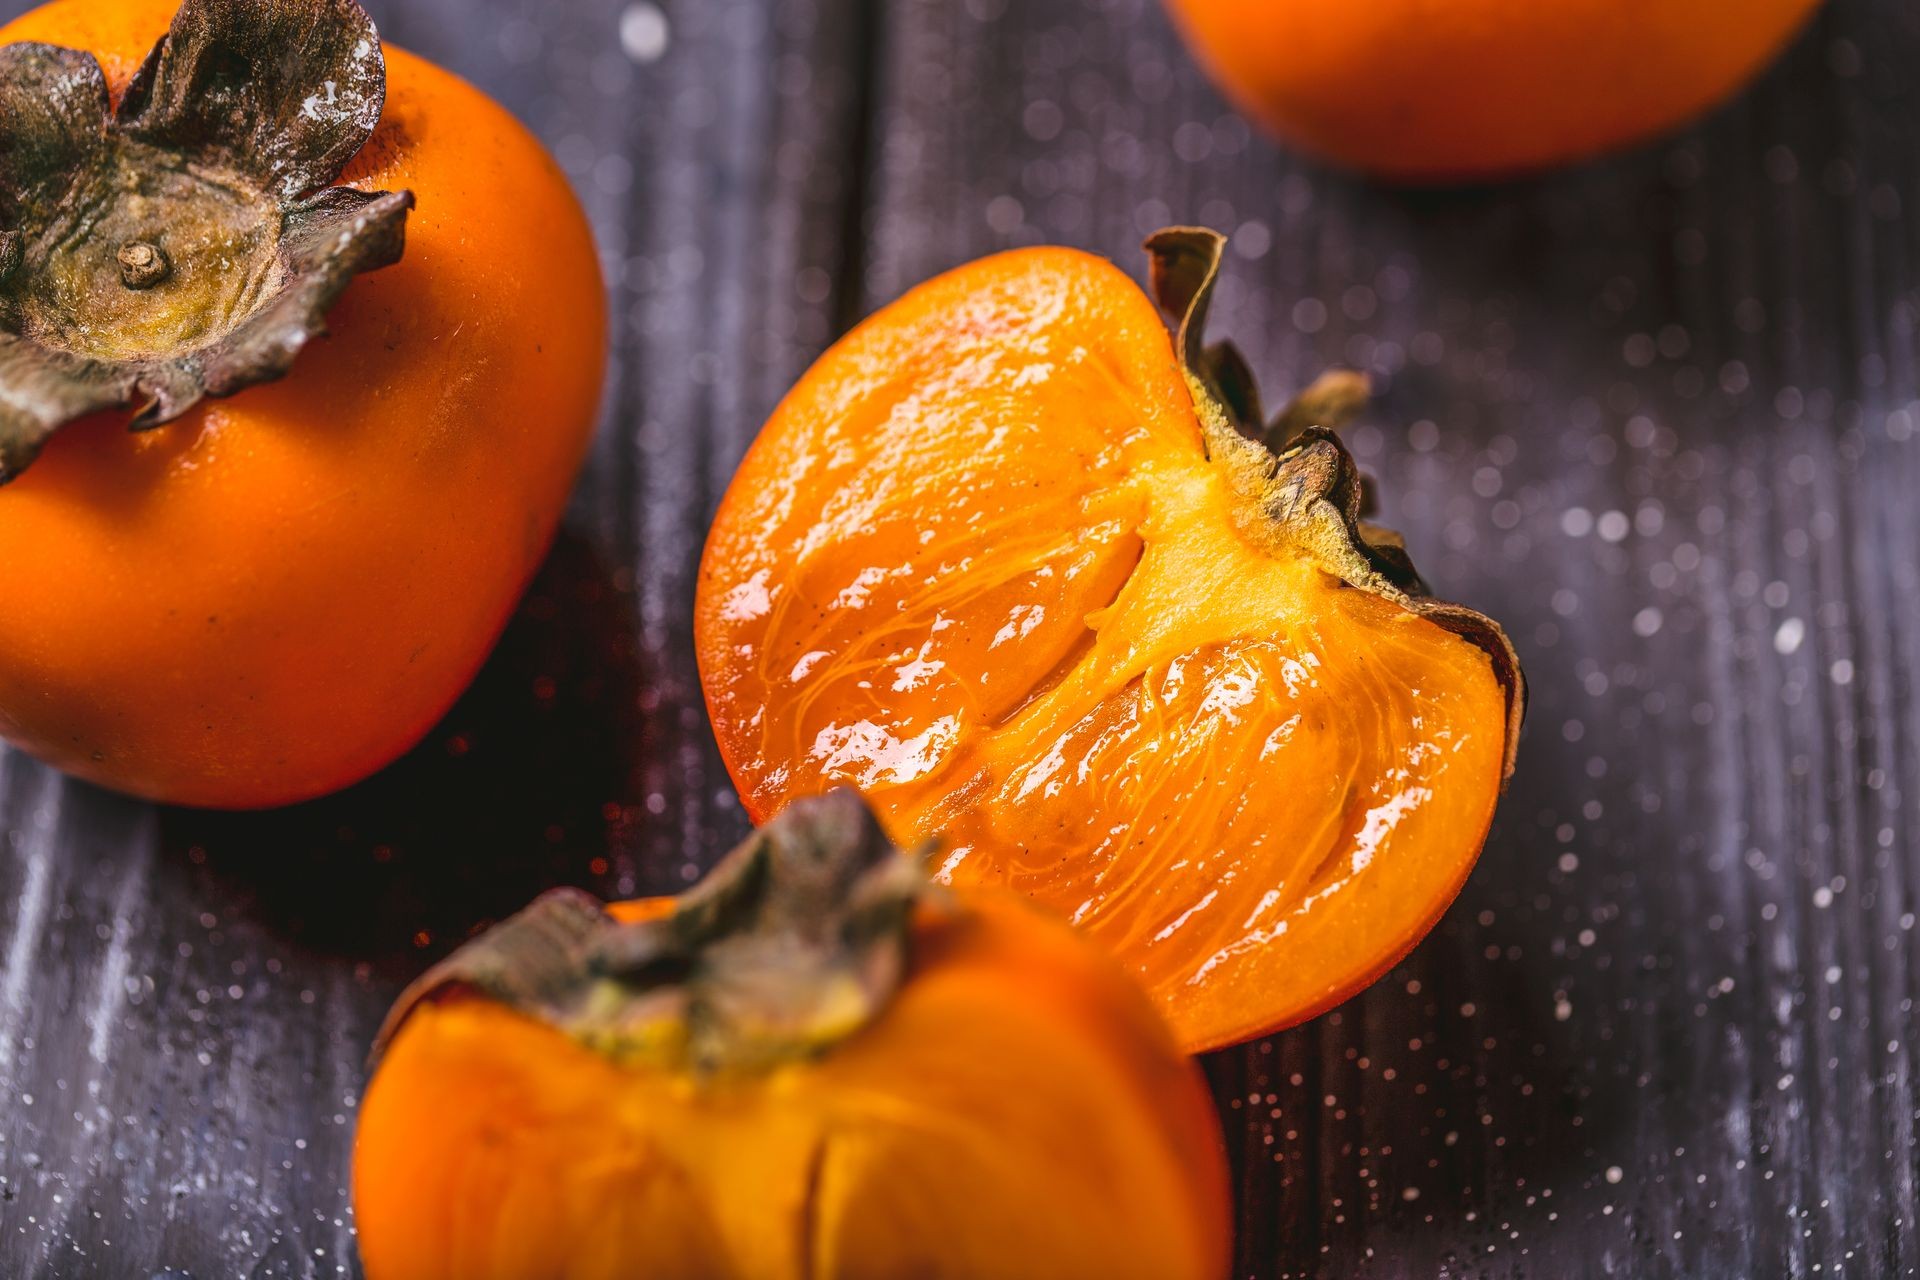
981,567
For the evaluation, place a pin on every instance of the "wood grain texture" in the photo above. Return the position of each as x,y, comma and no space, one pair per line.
1660,414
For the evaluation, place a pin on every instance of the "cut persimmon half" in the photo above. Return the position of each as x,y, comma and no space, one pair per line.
1034,575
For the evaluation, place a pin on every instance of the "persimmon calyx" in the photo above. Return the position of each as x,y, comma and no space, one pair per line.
186,244
1299,489
796,940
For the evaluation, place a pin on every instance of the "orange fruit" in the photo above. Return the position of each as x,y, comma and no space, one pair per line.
816,1069
1011,562
278,593
1452,89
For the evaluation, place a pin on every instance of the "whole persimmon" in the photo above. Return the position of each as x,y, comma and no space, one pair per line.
1427,91
268,589
812,1065
1042,583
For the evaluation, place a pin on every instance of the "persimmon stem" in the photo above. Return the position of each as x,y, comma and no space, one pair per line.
143,265
1332,400
1299,487
796,940
224,145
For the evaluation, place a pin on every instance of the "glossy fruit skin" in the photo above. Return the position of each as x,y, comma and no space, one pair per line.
980,566
1017,1111
1468,89
281,592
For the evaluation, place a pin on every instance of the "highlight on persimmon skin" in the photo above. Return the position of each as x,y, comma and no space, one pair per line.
1009,560
1009,1106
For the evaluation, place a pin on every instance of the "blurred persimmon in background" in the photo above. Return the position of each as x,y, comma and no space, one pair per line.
1438,90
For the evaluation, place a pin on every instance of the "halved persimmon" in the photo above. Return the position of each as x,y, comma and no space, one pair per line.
1036,578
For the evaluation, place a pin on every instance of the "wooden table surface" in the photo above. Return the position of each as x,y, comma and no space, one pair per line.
1661,415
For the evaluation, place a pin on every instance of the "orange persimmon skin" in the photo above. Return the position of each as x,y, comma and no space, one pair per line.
979,566
1016,1111
1478,88
281,592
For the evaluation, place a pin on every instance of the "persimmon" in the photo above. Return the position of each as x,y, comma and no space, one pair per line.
269,588
1480,88
1040,582
812,1065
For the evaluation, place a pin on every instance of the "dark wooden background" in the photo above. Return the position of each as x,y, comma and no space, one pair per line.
1659,414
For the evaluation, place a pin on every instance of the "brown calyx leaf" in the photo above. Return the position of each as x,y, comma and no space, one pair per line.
1301,487
187,245
796,940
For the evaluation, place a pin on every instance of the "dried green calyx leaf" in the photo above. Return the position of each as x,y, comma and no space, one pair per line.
796,940
1301,491
186,245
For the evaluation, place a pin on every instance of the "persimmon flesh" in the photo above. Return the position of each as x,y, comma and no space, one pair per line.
1000,562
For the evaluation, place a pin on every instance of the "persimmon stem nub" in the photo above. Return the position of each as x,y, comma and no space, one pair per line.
215,155
796,940
143,265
